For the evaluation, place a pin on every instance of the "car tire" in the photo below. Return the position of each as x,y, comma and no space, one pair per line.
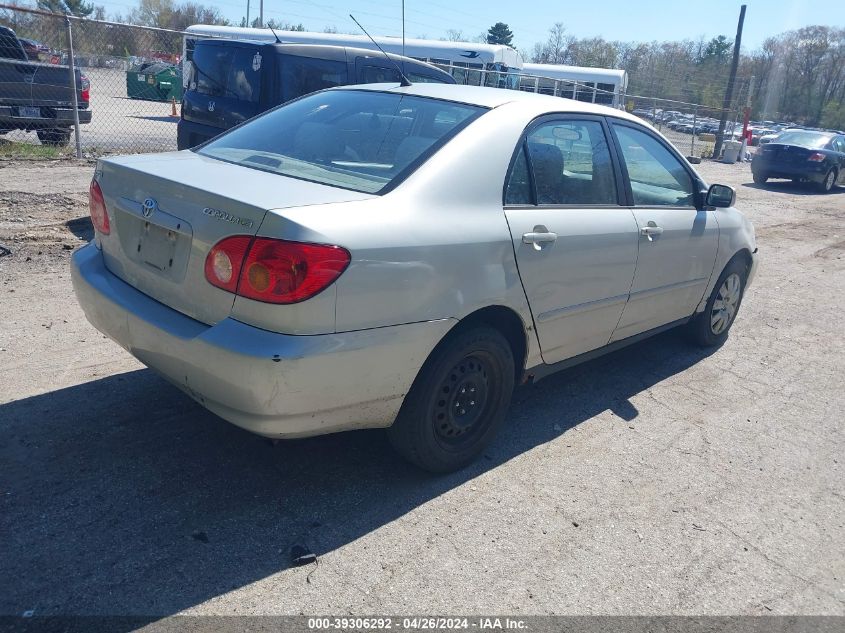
710,328
458,401
826,185
54,137
760,179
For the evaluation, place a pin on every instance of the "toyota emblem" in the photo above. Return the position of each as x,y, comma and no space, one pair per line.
149,207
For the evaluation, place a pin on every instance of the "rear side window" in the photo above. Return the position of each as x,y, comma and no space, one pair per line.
657,177
570,160
518,191
303,75
227,71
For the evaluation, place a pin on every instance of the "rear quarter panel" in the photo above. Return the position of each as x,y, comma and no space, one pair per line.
436,247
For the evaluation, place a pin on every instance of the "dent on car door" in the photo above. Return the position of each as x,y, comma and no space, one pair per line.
677,241
575,243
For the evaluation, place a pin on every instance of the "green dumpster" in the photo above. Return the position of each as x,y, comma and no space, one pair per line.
154,82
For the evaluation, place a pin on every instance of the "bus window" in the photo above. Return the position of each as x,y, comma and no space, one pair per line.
605,94
585,92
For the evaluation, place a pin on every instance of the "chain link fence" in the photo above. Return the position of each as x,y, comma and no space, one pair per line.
134,76
134,80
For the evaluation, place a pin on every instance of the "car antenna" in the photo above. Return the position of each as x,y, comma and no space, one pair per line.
278,41
405,82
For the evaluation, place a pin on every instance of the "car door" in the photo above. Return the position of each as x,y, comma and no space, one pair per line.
677,240
575,241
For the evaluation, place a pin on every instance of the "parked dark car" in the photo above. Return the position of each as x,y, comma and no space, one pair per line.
231,81
803,156
36,96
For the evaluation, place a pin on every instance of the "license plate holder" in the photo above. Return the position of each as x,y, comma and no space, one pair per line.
29,112
157,246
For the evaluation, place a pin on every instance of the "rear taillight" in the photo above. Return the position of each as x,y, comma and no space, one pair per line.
223,262
97,207
274,271
86,88
816,157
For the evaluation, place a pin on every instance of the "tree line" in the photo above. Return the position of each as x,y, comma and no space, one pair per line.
796,76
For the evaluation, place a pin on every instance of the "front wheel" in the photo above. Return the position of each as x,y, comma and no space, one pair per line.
826,185
457,403
710,328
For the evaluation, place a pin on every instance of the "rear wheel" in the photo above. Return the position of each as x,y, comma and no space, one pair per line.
710,328
760,179
458,402
829,181
55,137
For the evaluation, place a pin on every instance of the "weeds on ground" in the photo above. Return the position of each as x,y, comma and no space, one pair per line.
28,151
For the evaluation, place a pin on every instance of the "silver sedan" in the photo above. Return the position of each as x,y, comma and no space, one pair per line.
400,257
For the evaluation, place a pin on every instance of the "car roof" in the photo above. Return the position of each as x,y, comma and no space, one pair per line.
494,97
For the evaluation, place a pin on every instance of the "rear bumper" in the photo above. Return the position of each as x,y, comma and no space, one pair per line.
814,172
190,134
272,384
60,118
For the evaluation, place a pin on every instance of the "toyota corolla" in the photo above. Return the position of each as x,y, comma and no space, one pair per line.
401,257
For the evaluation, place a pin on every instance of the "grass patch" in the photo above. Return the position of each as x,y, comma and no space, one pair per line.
12,149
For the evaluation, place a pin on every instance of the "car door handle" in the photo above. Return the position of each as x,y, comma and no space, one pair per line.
651,230
539,236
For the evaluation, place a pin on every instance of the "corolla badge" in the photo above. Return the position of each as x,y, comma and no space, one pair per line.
148,207
211,106
217,214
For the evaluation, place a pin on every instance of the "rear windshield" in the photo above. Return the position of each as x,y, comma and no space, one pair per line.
811,140
360,140
227,71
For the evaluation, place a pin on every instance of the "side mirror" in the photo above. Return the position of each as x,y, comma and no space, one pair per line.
720,196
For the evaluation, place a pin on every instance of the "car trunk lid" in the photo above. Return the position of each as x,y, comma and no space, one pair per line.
786,154
168,210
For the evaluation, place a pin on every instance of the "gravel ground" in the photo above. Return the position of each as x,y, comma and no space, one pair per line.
657,480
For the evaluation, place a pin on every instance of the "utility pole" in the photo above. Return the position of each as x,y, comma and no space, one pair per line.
729,91
261,14
247,13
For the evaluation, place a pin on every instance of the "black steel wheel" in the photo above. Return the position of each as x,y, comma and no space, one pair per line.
458,401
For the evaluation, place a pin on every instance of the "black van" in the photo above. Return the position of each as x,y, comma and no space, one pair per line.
230,81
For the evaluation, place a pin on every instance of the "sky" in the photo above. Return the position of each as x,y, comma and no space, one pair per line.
637,20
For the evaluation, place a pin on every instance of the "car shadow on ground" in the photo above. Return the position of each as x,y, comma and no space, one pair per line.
160,119
122,496
81,228
793,188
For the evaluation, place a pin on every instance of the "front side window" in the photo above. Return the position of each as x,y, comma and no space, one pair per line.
304,75
657,177
354,139
571,163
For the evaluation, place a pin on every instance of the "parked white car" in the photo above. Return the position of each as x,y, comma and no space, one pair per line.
400,257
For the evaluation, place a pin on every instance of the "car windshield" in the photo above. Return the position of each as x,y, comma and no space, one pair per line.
354,139
810,140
